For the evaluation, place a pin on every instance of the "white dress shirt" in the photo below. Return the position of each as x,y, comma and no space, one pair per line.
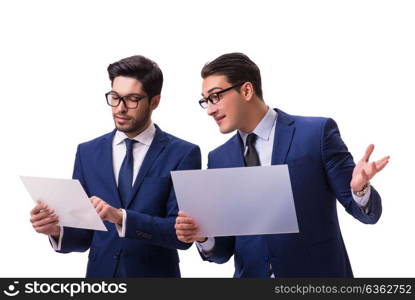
264,143
144,140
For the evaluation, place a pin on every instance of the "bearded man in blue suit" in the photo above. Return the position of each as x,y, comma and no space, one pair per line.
321,171
127,175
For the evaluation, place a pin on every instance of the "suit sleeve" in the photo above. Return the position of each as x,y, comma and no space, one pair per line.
160,230
75,239
339,167
222,250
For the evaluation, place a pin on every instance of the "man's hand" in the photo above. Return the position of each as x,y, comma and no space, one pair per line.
106,212
186,229
365,170
45,221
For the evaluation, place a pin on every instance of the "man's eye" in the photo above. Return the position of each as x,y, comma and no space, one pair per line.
214,97
134,98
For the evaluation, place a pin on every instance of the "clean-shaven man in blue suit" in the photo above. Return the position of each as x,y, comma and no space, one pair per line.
321,171
127,175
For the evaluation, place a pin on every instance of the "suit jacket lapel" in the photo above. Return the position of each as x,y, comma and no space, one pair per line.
284,132
158,144
107,167
236,156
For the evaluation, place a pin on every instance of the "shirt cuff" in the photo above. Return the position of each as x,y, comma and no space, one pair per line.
57,245
362,201
121,228
207,245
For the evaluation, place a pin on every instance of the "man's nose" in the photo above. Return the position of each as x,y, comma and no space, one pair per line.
122,108
212,108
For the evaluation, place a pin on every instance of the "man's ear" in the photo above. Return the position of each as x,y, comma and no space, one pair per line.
155,102
247,91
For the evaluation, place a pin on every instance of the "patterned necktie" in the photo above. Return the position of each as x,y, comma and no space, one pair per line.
125,178
251,156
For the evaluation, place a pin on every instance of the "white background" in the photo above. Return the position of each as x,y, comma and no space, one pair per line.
349,60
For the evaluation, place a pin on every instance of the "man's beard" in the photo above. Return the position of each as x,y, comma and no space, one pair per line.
137,125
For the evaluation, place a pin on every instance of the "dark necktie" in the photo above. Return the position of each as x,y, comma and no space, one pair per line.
252,159
125,178
251,156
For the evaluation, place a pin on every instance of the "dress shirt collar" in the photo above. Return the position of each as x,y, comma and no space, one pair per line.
145,137
264,127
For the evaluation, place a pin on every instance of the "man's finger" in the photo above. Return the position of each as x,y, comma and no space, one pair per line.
186,239
380,164
106,209
51,224
41,215
45,221
102,214
46,229
184,226
95,201
38,208
187,233
382,160
181,220
182,238
99,207
186,220
182,214
368,152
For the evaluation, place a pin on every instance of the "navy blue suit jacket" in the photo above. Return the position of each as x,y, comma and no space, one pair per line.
320,168
150,243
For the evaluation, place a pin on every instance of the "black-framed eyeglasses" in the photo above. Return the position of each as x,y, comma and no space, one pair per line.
130,100
215,97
